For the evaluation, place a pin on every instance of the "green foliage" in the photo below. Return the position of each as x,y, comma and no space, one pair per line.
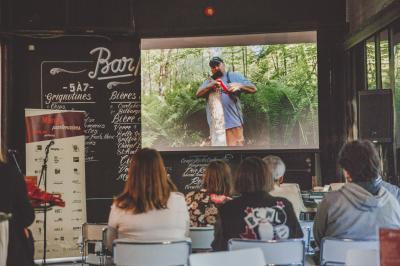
283,112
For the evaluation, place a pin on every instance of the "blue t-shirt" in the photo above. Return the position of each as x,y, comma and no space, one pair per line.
231,104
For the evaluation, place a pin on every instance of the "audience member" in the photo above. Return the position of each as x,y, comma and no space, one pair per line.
255,214
290,191
14,200
362,205
149,208
203,204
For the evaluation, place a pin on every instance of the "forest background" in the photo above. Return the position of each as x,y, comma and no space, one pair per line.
283,114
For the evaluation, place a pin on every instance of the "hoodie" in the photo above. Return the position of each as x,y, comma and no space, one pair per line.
353,212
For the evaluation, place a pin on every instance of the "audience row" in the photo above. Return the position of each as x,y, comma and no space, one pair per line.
251,207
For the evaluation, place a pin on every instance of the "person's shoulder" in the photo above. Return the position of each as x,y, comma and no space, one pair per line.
177,196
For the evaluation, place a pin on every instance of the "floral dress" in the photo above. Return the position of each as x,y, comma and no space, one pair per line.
202,207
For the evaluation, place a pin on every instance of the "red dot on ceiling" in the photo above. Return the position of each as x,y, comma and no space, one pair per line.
209,11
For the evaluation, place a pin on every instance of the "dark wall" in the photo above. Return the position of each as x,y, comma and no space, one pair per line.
45,20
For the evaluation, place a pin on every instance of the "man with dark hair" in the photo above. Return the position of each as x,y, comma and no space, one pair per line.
362,205
230,85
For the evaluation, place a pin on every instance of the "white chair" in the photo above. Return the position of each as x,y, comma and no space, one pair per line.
289,251
92,233
4,234
333,250
362,257
201,237
307,228
251,257
128,252
336,186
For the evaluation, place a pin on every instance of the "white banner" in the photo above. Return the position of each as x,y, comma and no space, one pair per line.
62,134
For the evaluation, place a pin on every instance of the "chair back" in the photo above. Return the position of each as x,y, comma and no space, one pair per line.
333,250
93,231
362,257
307,228
4,235
288,251
253,257
201,237
130,252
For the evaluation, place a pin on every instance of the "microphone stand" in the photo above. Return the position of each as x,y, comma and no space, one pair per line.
12,152
43,174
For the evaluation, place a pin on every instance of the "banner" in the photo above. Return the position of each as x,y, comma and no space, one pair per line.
62,134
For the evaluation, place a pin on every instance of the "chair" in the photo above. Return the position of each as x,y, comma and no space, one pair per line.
130,252
92,233
307,228
333,250
288,251
362,257
252,256
336,186
201,237
4,234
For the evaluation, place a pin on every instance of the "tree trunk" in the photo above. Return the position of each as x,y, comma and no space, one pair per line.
217,123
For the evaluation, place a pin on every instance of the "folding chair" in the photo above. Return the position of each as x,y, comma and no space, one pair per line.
128,252
92,234
253,257
4,234
362,257
288,251
334,250
201,237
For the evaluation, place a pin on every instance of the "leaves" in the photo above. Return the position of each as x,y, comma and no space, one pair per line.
283,112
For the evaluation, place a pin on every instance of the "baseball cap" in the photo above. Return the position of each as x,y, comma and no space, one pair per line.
215,61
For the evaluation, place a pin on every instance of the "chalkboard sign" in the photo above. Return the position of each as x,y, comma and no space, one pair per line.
101,76
187,169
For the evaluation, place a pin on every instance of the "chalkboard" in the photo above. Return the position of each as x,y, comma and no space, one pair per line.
101,76
187,168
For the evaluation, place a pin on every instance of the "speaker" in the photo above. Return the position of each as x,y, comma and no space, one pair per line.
375,115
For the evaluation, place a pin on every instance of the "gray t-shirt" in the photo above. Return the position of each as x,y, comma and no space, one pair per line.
231,103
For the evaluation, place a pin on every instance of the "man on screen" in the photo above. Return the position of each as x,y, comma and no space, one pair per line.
230,85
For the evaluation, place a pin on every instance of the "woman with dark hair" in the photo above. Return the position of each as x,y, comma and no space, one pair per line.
363,204
203,204
255,214
149,208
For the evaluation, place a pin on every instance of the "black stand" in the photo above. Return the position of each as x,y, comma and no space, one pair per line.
43,174
12,153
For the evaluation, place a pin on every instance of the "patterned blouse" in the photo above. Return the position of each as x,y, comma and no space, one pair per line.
202,207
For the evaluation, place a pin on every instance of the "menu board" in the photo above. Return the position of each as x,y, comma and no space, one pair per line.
105,83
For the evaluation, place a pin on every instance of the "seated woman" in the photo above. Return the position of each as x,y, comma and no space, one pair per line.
149,208
255,214
203,204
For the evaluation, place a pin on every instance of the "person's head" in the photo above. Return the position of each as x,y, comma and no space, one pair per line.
217,65
360,161
148,186
217,178
253,175
276,166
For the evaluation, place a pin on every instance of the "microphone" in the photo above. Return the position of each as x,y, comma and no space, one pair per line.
12,151
51,143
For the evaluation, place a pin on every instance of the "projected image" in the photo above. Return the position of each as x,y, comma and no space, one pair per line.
246,97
